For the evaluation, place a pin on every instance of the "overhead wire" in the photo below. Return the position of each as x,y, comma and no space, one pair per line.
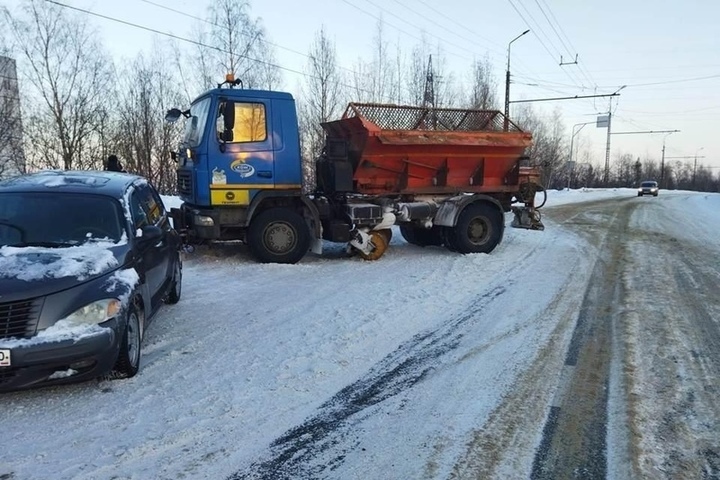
573,80
265,41
188,40
466,39
580,65
499,48
377,7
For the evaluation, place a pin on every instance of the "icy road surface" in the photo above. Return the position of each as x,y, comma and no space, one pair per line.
590,349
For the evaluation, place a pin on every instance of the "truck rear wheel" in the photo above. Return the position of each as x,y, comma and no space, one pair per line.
422,237
278,235
478,229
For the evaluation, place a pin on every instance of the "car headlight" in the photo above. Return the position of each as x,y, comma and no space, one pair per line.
640,189
95,312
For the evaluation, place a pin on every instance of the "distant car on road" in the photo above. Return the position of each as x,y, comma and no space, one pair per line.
649,187
86,260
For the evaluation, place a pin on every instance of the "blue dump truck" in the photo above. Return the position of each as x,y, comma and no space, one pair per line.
444,176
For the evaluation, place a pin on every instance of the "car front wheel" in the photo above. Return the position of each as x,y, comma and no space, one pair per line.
128,361
175,292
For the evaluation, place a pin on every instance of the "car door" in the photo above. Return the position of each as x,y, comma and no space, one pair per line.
154,257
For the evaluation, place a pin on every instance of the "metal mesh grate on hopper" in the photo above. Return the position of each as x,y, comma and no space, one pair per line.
395,117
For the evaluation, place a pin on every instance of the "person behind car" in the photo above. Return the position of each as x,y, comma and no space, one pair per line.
113,164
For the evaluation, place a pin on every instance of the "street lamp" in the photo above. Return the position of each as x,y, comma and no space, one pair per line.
507,83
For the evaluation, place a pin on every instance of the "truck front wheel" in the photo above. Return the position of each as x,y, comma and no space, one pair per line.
478,229
278,235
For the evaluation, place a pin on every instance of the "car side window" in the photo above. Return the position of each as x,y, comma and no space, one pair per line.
152,207
139,216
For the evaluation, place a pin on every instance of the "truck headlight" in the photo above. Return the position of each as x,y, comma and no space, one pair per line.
204,221
95,312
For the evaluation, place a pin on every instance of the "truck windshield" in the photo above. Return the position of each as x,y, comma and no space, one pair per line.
196,124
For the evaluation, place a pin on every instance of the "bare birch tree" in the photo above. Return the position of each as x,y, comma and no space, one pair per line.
548,145
484,87
70,76
143,140
235,42
321,99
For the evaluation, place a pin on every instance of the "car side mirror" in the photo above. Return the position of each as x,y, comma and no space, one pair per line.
149,234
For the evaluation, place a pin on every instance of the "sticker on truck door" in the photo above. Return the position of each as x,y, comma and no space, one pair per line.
242,168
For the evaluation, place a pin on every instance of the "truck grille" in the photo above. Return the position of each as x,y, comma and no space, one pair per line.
19,319
184,182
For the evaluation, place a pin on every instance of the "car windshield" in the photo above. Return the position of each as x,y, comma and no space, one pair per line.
195,125
58,220
648,184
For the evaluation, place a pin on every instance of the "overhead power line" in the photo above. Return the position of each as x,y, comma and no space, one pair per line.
577,84
267,42
453,32
188,40
572,50
380,19
667,82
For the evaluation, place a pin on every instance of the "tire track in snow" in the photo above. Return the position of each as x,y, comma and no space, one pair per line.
291,455
573,443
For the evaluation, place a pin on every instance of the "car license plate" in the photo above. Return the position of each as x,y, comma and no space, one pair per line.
4,358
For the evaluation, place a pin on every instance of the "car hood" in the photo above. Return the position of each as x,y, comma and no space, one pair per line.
31,272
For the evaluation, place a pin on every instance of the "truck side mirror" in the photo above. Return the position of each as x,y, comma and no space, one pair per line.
173,115
229,115
226,122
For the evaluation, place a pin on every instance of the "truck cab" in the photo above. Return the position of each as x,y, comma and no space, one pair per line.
238,146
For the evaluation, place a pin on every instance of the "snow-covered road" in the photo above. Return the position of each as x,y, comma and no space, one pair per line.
424,364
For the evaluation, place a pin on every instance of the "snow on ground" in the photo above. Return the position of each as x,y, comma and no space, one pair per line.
431,340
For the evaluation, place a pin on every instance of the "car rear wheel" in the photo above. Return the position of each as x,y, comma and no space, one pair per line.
128,361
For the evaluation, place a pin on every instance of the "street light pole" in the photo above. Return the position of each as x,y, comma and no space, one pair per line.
506,123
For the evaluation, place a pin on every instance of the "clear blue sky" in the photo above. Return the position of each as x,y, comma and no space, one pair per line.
633,43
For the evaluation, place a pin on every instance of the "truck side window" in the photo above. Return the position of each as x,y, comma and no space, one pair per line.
249,125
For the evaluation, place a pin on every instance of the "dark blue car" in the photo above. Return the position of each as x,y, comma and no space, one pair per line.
86,260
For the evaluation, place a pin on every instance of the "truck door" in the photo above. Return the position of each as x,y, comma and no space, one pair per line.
241,154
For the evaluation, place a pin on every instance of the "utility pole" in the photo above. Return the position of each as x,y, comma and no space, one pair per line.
606,175
429,95
506,123
662,161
